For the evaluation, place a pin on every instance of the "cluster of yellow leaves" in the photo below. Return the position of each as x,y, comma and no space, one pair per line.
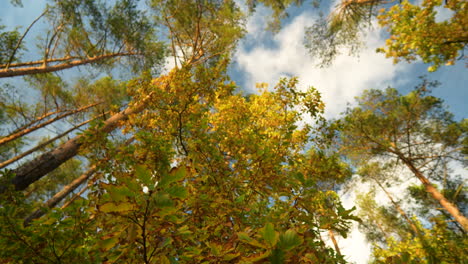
414,32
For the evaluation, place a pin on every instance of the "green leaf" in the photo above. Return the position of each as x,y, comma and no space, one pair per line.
177,192
230,256
144,175
108,243
277,257
184,230
289,240
244,237
257,257
163,200
174,175
269,234
240,198
116,207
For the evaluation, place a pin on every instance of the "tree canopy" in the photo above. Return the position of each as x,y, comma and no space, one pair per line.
106,156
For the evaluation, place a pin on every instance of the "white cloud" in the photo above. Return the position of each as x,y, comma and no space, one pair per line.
285,55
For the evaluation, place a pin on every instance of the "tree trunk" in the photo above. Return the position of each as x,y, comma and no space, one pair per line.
35,169
335,243
38,119
26,153
58,197
447,205
62,66
26,131
400,211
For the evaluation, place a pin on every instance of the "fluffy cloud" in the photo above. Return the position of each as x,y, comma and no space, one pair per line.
264,59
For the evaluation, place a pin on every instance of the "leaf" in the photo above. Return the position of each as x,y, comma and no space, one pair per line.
163,200
177,192
230,256
144,175
244,237
132,232
269,234
163,260
174,175
116,207
184,230
119,193
108,243
277,257
215,248
257,257
289,240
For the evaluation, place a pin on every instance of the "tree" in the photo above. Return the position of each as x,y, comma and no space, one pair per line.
379,176
199,40
212,176
414,32
413,130
445,247
81,33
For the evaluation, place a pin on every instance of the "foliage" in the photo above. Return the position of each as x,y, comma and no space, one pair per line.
414,32
242,189
8,41
387,132
445,247
200,172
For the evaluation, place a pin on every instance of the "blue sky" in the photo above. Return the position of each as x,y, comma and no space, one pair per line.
264,57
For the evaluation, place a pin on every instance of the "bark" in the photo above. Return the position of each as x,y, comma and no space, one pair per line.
447,205
400,210
26,131
35,169
58,67
78,194
335,243
58,197
38,119
18,44
38,147
39,62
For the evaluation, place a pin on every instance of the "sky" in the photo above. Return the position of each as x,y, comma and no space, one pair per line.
264,57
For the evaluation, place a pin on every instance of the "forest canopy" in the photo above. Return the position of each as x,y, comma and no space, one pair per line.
124,138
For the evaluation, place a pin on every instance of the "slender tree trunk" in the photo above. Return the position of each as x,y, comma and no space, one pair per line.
39,62
335,243
78,194
58,67
447,205
400,210
382,230
23,132
26,153
58,197
38,119
35,169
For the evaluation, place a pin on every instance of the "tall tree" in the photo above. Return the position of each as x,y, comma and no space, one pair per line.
82,33
413,130
212,176
415,32
193,33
